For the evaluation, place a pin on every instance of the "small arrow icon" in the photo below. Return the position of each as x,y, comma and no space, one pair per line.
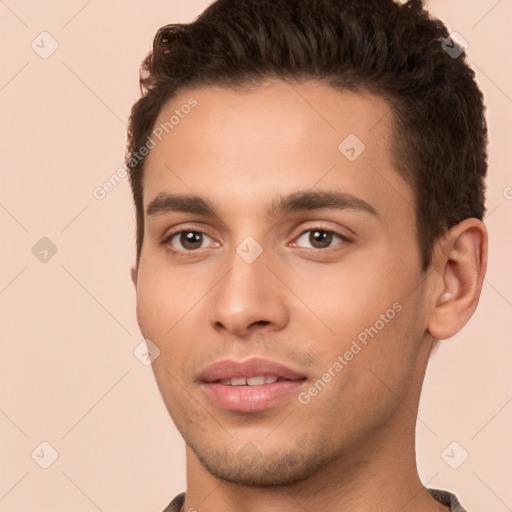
249,249
44,250
146,352
44,455
454,45
351,147
249,454
454,455
44,45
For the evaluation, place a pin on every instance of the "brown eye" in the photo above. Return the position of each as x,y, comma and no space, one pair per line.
191,239
187,240
320,238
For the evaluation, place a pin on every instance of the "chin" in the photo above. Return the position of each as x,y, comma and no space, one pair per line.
250,467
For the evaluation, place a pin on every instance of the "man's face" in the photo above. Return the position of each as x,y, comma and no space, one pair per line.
334,294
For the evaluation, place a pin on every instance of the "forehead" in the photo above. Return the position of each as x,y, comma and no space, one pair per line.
247,145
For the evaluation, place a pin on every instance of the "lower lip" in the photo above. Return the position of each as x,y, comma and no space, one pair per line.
249,398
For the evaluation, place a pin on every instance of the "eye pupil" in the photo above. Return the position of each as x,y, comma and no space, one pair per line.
191,237
322,237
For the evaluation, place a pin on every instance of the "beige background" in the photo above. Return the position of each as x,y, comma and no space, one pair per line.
68,331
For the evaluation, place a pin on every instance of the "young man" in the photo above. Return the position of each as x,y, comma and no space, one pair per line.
308,183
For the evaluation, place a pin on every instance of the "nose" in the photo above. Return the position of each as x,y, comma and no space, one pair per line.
248,299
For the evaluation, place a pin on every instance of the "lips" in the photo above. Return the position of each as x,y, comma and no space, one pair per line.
249,386
229,369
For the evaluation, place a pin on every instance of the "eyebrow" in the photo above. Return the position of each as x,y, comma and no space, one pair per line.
295,202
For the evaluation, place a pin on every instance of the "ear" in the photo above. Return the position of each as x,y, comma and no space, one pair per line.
133,273
461,262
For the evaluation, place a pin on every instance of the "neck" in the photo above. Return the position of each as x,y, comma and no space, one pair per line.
377,475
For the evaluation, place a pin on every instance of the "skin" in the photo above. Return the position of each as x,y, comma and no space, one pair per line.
300,303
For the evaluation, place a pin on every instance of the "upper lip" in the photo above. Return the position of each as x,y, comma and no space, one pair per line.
229,368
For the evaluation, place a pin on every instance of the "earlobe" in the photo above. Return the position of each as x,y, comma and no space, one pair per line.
461,262
133,273
139,323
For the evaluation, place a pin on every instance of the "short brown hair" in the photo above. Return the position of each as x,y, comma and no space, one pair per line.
395,51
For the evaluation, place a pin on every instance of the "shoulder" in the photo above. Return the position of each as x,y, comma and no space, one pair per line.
176,503
444,497
447,498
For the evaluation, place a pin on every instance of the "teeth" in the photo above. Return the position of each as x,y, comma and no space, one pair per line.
251,381
256,381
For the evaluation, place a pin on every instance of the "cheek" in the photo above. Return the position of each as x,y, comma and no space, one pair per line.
160,309
373,380
155,308
366,314
346,298
168,302
160,302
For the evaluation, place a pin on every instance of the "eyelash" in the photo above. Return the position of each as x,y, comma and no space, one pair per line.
183,252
